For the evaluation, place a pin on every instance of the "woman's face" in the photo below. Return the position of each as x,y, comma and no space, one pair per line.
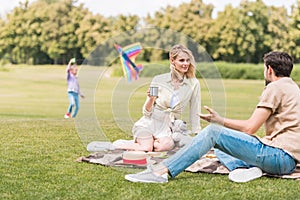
182,63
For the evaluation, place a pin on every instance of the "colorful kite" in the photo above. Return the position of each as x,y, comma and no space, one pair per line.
127,56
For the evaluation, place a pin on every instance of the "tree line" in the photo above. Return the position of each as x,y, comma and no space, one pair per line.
53,31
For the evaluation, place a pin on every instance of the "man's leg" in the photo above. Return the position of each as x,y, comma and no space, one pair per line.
229,161
186,156
240,171
191,152
237,144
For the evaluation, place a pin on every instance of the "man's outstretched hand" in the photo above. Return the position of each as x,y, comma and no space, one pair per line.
212,116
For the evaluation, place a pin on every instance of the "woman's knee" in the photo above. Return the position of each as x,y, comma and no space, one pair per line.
146,147
163,144
145,142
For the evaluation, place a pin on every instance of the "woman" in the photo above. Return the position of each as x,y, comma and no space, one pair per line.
177,89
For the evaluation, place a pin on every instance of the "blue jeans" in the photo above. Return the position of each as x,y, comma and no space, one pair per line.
240,150
74,100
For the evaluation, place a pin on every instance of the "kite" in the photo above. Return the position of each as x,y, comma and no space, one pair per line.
127,57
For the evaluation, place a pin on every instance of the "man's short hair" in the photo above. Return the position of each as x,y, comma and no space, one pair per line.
280,62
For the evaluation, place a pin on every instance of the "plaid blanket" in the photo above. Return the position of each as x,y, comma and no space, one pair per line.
207,164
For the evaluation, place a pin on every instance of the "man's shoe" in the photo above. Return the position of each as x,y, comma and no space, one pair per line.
242,175
147,176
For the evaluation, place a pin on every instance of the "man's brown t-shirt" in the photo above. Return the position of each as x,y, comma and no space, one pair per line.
283,126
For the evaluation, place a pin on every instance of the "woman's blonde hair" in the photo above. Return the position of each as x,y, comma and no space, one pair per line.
178,48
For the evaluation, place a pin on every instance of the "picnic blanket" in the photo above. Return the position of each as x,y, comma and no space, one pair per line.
209,163
113,158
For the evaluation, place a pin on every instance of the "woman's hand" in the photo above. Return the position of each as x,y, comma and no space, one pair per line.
213,116
148,94
150,101
151,97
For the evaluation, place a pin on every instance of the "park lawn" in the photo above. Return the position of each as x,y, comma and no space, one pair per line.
39,148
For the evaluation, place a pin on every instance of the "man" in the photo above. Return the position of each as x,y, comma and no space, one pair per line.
245,155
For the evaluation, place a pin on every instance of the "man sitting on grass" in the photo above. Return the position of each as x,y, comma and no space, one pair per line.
245,155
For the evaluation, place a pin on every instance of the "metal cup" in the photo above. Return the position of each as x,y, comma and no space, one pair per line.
153,91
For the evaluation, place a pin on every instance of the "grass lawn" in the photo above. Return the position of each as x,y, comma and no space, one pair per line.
39,148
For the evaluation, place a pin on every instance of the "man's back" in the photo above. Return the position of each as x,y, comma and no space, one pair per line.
283,126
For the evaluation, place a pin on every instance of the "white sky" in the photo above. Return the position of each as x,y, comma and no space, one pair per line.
139,7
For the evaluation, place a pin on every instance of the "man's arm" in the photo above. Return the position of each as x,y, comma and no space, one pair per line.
250,126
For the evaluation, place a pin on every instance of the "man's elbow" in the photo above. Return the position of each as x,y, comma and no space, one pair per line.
250,130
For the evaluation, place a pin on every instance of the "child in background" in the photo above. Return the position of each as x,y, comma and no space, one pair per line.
73,89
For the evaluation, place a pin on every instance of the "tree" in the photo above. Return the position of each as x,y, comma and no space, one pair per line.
92,30
14,35
277,33
254,20
53,31
245,33
223,34
294,33
59,38
190,18
34,18
123,23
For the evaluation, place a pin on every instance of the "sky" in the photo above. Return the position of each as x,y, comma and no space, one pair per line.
140,7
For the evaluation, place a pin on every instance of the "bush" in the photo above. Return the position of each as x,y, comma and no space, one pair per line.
222,70
296,74
150,70
240,70
117,71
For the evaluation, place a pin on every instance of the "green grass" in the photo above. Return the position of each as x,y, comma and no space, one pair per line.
39,148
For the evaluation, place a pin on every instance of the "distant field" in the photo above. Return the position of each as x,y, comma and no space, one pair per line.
38,147
40,92
34,92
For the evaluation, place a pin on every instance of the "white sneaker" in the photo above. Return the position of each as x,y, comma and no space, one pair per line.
242,175
121,143
147,176
96,146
